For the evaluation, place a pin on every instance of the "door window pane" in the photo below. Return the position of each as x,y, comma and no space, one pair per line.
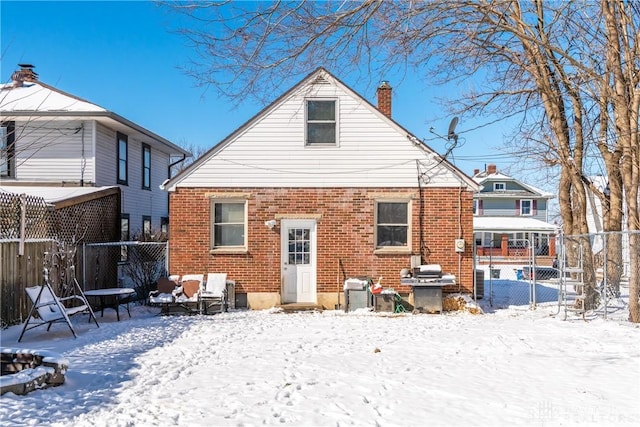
299,246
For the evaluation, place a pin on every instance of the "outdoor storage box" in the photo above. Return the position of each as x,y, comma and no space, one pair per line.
356,294
384,302
356,299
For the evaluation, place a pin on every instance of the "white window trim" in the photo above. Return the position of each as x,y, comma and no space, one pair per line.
530,207
336,121
392,249
233,249
496,184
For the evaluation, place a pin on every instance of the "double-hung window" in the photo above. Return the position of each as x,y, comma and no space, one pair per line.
146,167
526,207
123,158
228,224
321,126
7,150
392,224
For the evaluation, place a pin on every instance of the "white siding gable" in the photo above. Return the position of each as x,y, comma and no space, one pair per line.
270,151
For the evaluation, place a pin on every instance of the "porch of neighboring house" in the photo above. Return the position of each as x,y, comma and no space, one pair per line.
512,247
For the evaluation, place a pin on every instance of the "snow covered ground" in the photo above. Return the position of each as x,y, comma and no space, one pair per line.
509,366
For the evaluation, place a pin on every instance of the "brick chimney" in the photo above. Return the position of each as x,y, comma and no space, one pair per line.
24,74
492,169
384,98
476,172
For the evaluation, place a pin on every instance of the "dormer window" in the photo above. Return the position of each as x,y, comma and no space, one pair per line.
321,123
499,186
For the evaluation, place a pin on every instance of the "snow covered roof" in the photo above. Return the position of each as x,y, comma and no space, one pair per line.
483,176
503,224
53,194
499,177
35,100
37,96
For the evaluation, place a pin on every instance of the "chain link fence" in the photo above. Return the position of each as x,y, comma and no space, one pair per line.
590,277
136,265
597,272
507,278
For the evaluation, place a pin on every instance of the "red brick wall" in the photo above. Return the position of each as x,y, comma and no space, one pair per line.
345,235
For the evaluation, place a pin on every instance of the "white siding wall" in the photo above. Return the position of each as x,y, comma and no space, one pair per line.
135,201
106,162
54,151
271,152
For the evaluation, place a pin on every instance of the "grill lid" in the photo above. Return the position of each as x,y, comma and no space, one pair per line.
428,271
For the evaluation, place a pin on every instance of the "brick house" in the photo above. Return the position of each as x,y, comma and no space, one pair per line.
317,187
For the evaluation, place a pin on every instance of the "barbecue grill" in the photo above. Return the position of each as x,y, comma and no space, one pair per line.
427,282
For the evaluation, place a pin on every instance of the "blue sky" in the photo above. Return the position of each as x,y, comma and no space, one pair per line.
121,56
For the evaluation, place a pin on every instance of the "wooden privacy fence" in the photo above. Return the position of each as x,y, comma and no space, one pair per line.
18,272
35,234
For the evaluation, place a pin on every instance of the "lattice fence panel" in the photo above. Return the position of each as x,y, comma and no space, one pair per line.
35,235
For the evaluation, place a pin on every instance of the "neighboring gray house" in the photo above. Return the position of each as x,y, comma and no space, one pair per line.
507,212
49,138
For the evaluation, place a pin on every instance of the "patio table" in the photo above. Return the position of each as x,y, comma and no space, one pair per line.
112,298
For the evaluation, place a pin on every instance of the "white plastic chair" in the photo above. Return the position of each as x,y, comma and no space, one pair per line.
215,292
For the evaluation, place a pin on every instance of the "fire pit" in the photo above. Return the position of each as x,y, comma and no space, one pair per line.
26,370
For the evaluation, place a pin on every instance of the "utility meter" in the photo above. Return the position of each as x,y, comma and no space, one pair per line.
459,245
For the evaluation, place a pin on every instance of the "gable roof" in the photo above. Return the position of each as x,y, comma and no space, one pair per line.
483,178
319,76
36,99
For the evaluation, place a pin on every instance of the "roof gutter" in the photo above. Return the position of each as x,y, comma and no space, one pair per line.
184,156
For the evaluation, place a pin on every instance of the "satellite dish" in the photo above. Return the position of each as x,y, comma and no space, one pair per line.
452,129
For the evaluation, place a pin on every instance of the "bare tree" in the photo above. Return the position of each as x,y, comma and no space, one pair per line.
196,152
569,70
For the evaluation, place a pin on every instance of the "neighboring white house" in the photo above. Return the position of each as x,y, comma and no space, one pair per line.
595,221
51,138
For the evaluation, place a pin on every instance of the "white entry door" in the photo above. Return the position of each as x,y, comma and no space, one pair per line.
298,247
